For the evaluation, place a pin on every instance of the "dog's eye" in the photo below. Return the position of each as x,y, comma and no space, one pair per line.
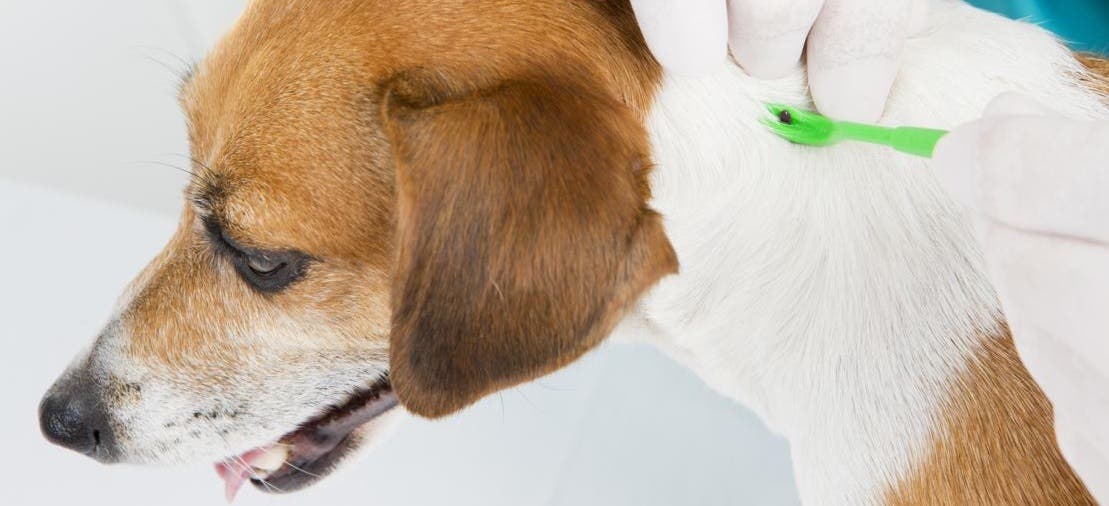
263,266
271,271
267,271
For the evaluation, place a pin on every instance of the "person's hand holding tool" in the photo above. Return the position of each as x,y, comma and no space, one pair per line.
1037,186
851,46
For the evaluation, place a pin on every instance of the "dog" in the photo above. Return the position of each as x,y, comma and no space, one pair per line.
412,204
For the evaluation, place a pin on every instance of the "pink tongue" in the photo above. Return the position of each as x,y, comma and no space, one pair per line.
236,470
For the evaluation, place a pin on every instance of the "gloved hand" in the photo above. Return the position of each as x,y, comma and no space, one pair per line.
1037,185
853,45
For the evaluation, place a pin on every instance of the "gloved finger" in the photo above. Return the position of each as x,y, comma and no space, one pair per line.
955,161
853,53
918,18
767,37
1053,286
955,164
1015,104
1088,458
688,37
1046,174
1072,382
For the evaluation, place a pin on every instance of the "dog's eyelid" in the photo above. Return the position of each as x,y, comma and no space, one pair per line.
288,265
218,234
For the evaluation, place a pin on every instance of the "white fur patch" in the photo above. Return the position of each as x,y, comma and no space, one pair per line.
836,291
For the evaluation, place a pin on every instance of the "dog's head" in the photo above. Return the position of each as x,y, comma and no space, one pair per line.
423,201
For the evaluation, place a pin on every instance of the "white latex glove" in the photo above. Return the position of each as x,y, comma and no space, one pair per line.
852,45
1038,186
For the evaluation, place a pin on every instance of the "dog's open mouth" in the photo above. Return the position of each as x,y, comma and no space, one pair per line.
310,452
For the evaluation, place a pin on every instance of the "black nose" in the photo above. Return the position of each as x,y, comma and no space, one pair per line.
73,419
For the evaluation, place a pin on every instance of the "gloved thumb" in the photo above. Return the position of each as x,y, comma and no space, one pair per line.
955,164
688,37
1015,104
958,156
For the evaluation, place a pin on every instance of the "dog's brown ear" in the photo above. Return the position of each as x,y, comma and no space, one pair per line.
523,235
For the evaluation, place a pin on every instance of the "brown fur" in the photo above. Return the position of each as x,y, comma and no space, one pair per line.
495,129
996,444
524,234
1098,79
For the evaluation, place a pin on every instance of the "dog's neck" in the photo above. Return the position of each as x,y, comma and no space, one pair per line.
838,292
816,287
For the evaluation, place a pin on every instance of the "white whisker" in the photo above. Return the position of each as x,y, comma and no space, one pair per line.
290,464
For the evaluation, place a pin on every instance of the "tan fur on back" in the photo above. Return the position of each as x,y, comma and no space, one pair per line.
997,445
1099,72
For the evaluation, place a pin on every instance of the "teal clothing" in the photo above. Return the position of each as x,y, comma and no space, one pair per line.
1084,24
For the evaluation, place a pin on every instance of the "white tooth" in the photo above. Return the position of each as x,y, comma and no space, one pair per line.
272,460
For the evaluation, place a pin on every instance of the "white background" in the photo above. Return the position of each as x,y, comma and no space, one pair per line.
86,101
